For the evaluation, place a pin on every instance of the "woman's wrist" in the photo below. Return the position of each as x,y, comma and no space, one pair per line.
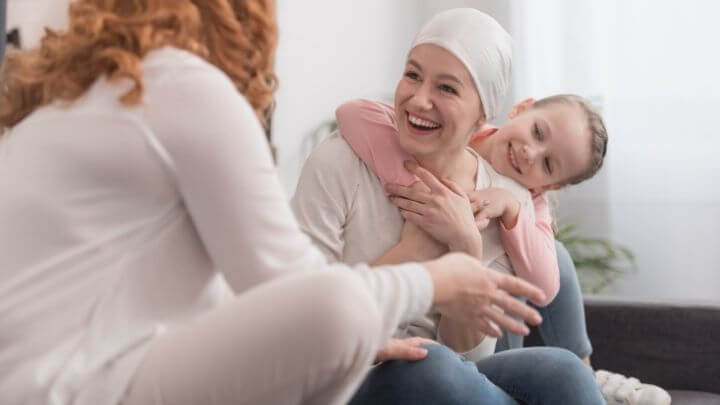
470,244
443,285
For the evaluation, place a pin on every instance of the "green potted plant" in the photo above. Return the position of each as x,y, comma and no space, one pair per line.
599,261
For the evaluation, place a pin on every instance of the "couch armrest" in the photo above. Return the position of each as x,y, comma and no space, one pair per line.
675,345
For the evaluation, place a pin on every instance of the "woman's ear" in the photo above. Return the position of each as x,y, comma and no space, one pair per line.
481,122
520,107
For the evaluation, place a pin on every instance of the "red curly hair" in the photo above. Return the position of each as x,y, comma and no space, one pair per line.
111,37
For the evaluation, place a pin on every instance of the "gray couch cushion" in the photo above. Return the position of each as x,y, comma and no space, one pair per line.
675,345
680,397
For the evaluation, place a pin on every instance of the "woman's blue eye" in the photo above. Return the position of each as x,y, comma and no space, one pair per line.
447,89
412,75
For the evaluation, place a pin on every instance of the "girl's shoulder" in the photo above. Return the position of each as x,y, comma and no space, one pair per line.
359,113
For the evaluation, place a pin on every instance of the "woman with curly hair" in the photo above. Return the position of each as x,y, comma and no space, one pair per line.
147,252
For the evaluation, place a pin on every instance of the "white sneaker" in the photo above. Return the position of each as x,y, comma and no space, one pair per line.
620,390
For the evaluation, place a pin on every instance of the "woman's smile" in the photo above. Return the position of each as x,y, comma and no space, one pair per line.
421,126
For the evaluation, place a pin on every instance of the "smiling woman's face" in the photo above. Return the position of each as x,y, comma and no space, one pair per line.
438,107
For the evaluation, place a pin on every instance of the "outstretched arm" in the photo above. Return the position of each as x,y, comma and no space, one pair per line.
531,249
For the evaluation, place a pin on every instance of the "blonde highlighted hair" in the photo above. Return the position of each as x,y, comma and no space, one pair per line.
110,37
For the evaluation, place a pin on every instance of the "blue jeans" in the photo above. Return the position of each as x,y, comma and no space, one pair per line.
538,375
532,375
564,318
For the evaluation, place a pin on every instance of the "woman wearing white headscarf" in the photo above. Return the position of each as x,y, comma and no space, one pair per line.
456,75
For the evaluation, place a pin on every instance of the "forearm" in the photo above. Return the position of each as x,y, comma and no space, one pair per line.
404,252
470,244
530,245
511,213
459,336
396,254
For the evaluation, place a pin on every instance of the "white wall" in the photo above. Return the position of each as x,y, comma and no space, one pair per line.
31,16
330,51
653,67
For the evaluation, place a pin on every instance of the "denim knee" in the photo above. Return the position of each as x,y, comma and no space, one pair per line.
443,377
568,376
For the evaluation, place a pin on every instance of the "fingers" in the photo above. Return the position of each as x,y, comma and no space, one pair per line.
514,306
481,219
403,349
482,223
488,327
406,351
478,204
506,322
413,217
420,186
408,205
410,193
420,341
454,187
516,286
425,176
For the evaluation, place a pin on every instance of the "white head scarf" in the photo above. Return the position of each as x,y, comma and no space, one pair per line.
481,44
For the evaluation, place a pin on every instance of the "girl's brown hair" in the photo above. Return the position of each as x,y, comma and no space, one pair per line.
110,37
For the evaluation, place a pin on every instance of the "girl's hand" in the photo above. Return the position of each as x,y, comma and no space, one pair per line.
492,203
441,209
468,292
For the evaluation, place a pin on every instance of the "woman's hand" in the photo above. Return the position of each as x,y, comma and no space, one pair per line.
441,209
468,292
492,203
404,349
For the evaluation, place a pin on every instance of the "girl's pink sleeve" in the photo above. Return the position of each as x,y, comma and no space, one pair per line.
531,249
370,130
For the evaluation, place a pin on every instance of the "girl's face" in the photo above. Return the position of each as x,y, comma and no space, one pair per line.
541,148
437,105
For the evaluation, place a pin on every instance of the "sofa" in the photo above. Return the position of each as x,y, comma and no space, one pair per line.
675,345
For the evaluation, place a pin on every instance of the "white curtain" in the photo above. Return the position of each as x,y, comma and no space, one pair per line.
652,67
